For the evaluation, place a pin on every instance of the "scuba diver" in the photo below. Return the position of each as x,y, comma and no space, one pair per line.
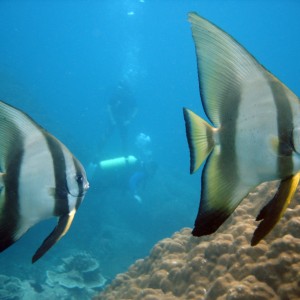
146,167
121,109
129,173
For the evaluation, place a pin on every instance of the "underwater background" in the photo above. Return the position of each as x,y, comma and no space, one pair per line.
62,61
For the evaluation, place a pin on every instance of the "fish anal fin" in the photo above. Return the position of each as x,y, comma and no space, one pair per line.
59,231
200,136
208,222
10,230
5,243
221,193
274,210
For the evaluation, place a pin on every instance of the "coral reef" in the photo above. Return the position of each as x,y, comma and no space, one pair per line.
223,265
13,288
78,277
79,272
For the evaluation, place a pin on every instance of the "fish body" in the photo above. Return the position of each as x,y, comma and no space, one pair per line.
40,178
252,132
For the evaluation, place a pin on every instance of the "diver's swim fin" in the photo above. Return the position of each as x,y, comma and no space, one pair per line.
273,211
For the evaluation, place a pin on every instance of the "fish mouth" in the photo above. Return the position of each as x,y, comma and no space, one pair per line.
86,186
82,191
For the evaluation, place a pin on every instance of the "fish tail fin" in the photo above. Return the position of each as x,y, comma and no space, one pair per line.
200,137
273,211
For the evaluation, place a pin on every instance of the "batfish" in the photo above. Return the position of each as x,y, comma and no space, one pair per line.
251,134
39,178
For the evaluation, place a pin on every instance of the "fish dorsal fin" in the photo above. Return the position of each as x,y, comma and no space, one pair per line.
59,231
14,127
221,192
223,67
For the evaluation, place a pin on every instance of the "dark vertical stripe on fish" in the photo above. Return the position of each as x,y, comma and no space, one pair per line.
227,166
79,182
284,128
10,215
61,185
227,160
228,163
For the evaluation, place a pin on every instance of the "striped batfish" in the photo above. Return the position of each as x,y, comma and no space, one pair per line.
252,134
39,178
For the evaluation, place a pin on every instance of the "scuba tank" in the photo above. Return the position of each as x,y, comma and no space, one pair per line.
119,162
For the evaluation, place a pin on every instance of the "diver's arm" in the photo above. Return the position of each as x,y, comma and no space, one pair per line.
111,115
131,117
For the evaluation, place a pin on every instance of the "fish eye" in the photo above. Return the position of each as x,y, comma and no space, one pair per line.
79,178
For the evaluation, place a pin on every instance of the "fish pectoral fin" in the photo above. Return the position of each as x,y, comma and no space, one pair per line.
200,139
59,231
221,193
274,144
279,148
274,210
52,191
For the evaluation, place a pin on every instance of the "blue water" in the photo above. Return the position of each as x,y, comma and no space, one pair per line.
60,62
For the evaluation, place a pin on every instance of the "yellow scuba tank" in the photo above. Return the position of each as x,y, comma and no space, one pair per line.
118,162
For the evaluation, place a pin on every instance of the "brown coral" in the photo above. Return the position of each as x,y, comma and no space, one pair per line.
223,265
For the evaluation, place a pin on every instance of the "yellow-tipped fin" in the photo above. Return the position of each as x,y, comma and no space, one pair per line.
59,231
200,139
273,211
